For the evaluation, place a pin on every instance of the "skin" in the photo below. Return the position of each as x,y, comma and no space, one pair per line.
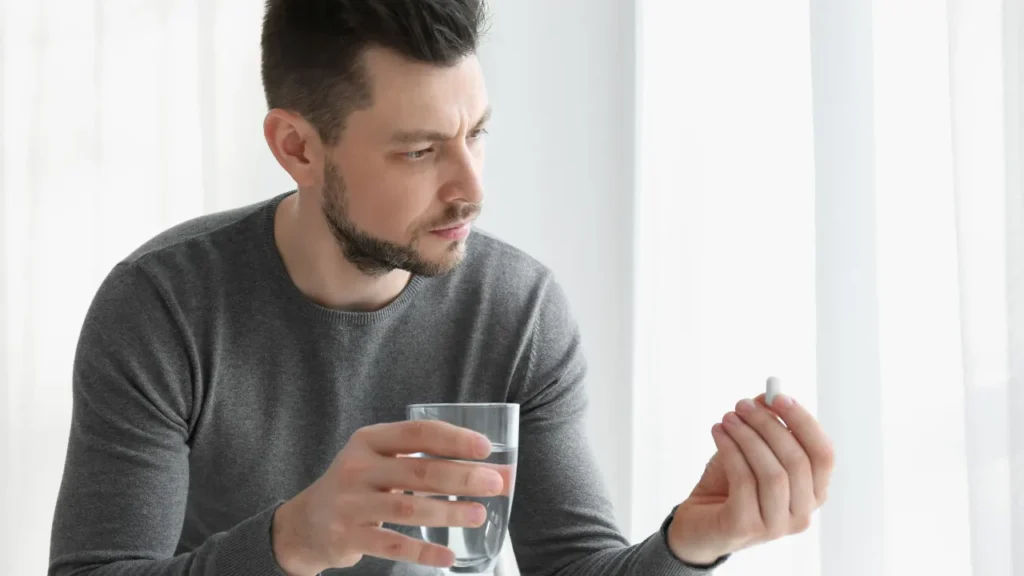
389,185
770,474
351,238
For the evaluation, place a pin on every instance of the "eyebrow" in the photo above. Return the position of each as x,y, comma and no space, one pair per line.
413,136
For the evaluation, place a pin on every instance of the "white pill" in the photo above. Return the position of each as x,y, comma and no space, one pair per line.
772,389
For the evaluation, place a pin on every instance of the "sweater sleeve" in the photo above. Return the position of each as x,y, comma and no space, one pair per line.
562,522
122,497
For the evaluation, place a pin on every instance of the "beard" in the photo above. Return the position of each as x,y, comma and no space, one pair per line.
375,256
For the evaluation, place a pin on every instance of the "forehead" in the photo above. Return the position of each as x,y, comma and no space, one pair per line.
408,93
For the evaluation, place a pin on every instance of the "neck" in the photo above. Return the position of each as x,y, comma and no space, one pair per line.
317,265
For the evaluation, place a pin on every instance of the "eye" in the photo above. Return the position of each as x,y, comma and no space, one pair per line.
478,133
417,154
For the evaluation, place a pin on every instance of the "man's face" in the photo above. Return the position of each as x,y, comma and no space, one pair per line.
403,183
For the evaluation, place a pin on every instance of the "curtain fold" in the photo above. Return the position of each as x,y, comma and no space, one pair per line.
1013,54
984,56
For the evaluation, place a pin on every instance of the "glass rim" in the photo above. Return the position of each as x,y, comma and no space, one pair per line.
463,405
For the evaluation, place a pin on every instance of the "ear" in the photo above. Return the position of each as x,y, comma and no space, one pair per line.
296,145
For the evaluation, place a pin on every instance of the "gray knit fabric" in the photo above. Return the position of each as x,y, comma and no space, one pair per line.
207,390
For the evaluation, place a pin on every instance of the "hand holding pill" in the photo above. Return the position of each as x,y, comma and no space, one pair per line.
770,474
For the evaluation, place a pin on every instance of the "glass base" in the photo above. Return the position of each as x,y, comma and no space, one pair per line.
483,568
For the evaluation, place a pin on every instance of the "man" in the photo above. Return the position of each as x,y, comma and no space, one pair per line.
240,379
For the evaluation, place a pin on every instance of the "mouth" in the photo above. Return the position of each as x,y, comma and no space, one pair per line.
456,231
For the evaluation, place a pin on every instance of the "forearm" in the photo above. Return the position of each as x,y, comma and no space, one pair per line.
245,549
652,557
562,519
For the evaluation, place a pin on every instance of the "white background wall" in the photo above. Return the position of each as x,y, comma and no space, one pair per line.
559,182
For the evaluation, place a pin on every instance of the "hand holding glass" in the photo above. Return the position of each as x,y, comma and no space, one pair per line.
477,549
403,473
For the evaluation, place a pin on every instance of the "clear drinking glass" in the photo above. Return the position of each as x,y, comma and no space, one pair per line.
477,549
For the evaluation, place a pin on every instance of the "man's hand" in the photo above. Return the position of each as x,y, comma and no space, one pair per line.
337,519
766,480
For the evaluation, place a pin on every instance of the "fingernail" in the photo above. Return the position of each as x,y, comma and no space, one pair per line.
782,401
745,406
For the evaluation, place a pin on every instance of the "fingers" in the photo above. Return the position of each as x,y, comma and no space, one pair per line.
742,483
438,476
414,511
391,545
809,433
772,479
432,437
790,454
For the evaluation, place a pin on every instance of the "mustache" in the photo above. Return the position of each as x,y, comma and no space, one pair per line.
456,214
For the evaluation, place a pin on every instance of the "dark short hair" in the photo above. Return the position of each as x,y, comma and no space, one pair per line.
312,50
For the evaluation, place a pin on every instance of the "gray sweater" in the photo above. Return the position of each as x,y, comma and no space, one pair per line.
208,390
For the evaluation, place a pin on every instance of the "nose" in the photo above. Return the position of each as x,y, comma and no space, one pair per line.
466,184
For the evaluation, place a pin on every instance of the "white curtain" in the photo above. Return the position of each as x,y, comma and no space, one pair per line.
830,192
119,119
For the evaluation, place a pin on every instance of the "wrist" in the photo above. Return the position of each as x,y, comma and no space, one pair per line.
689,549
290,542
